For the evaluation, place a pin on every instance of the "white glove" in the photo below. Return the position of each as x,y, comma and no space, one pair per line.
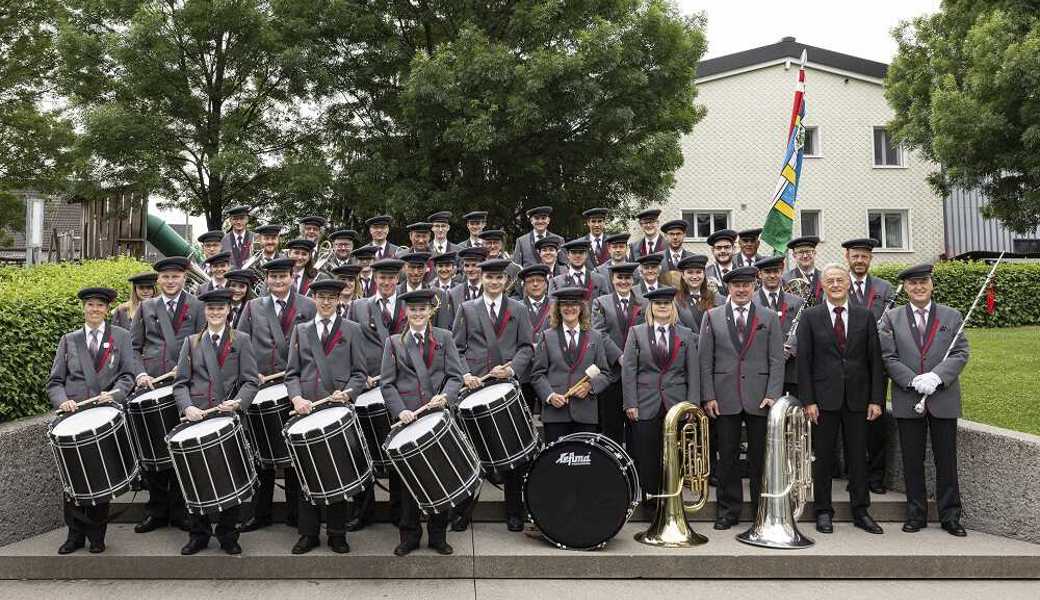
933,381
926,383
916,383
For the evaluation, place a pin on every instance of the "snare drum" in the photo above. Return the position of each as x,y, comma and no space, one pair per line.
213,463
266,416
330,455
435,461
581,490
499,425
96,461
153,414
375,423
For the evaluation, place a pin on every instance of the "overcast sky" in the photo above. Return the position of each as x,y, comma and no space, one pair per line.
848,26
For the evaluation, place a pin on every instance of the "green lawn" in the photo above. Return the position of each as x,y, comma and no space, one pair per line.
1001,384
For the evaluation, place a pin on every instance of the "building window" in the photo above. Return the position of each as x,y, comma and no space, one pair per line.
810,223
811,142
704,223
890,228
886,152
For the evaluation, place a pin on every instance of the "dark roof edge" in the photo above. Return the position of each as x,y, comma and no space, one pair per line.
788,47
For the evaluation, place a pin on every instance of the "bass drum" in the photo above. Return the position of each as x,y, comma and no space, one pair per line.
152,415
581,490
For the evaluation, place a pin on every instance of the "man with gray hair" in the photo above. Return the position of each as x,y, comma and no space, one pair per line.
841,383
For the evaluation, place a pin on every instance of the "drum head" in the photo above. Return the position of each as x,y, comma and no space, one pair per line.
82,421
486,395
373,396
317,421
577,494
152,395
271,393
201,429
415,430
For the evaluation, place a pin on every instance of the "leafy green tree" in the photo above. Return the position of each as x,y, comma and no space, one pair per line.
964,89
205,102
504,106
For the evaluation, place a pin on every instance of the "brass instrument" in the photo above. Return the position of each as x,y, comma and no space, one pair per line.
787,479
254,264
324,255
803,289
194,278
685,465
889,305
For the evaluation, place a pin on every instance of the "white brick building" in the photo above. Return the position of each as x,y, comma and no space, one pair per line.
854,184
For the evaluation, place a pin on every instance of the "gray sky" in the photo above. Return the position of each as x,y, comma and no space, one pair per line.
849,26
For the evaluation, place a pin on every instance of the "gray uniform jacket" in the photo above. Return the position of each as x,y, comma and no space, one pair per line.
595,284
638,248
610,320
409,379
875,296
121,317
208,375
457,295
238,254
556,370
484,345
157,338
739,260
690,314
445,315
596,259
367,313
739,375
270,332
654,382
604,270
905,358
315,371
789,305
75,375
668,264
524,253
814,281
390,251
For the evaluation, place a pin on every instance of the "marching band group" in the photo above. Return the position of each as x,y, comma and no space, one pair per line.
424,323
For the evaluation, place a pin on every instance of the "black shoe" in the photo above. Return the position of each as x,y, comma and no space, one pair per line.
149,523
357,524
70,546
305,544
231,547
824,523
459,522
867,523
338,544
97,547
514,523
253,524
913,526
877,488
442,548
724,523
954,528
194,546
405,548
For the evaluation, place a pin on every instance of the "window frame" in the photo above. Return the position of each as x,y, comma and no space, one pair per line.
819,222
908,245
903,162
819,144
692,229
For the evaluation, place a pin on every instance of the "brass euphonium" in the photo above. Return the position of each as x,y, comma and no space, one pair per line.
324,255
787,479
254,263
685,465
194,278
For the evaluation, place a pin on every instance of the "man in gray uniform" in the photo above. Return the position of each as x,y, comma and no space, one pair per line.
675,234
596,221
216,369
721,243
742,374
239,240
343,243
157,332
96,360
440,223
786,305
378,230
578,273
416,270
652,241
524,253
804,251
475,223
617,254
494,241
749,242
470,287
614,315
914,340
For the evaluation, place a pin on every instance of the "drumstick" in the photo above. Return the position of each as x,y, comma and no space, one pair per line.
210,411
590,372
318,403
265,378
83,403
164,377
416,414
487,376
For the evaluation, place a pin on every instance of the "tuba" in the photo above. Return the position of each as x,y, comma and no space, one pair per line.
787,480
324,255
194,278
685,465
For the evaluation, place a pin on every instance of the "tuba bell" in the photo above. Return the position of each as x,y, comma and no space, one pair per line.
787,479
685,465
194,278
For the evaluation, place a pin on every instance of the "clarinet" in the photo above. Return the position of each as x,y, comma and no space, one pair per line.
889,305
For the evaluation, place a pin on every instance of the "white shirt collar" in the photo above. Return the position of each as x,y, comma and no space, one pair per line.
831,307
857,280
576,331
498,301
421,332
100,330
927,308
390,302
627,296
176,299
210,332
734,306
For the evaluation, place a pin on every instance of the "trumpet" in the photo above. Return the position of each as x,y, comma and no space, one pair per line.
685,465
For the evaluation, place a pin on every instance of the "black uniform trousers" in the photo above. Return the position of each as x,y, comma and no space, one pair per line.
410,524
309,518
731,489
852,426
611,411
165,500
912,439
86,522
644,441
363,506
226,521
264,497
555,431
877,436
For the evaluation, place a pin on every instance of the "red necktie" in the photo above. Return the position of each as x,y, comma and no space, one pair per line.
839,327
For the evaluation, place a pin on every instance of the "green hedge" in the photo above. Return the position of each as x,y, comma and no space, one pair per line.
957,283
37,306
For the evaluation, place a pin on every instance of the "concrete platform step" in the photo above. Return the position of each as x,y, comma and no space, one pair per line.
488,551
890,506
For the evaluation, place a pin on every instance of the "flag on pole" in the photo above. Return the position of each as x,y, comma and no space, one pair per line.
780,221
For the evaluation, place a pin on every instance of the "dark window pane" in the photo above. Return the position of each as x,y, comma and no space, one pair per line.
721,221
690,218
703,225
810,222
879,146
809,145
893,230
874,227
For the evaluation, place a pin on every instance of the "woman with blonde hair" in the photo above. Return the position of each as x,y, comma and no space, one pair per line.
142,287
565,351
696,295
